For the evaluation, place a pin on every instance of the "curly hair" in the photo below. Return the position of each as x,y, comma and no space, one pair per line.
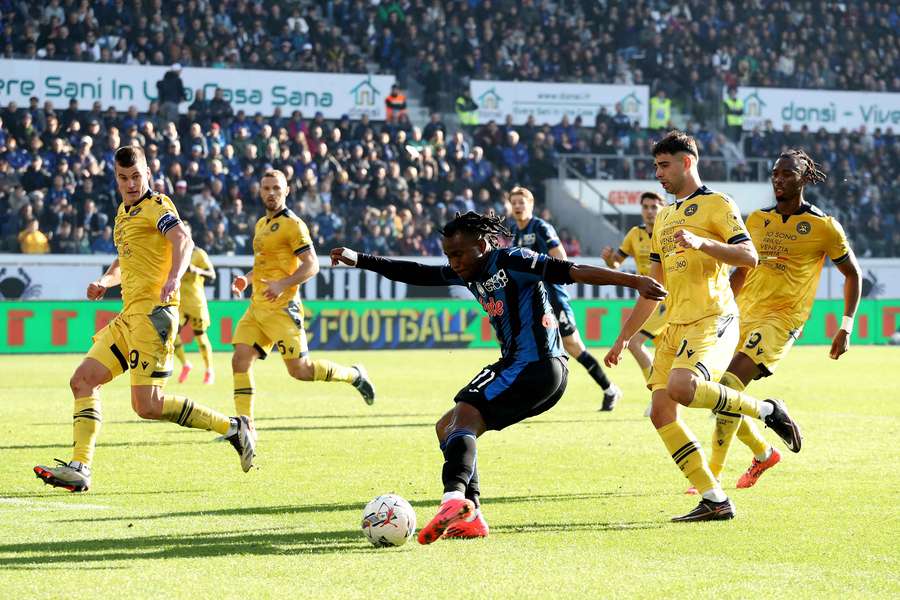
488,227
811,172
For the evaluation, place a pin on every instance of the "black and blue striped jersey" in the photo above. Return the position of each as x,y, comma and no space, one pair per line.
510,288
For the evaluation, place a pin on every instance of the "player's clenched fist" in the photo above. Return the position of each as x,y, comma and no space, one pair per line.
239,285
95,291
344,256
686,239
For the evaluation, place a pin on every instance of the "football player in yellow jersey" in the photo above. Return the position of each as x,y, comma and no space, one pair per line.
792,239
637,243
283,258
694,241
153,253
194,310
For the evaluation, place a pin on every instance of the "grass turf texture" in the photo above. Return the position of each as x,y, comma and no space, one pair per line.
578,501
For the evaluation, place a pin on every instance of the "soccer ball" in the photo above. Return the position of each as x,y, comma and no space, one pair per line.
388,520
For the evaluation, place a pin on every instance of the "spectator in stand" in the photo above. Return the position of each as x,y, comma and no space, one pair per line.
32,240
395,105
171,93
103,244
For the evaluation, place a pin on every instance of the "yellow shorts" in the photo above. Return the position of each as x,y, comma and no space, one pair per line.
281,328
656,323
196,315
766,343
704,347
143,343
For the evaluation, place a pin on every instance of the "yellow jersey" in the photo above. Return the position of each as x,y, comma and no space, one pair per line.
145,255
637,244
792,250
278,243
193,292
698,284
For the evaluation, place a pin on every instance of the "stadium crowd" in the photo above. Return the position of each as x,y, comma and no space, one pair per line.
385,187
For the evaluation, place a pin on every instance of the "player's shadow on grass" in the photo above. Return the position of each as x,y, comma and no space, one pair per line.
64,447
287,509
200,545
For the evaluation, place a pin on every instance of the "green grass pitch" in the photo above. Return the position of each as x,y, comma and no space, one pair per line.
578,500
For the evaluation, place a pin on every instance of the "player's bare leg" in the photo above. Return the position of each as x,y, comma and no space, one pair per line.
457,431
643,358
575,348
85,383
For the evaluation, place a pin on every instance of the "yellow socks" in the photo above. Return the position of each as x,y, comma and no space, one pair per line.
688,455
325,370
187,413
244,392
205,349
749,434
179,352
726,425
85,428
721,398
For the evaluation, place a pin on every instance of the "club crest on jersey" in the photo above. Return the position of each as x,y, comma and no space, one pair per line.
527,239
274,227
803,227
497,281
766,222
690,210
494,308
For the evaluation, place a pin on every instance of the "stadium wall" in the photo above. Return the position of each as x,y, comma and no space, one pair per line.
65,277
65,327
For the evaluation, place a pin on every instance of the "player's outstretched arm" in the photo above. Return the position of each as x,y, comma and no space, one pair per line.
852,276
111,278
741,254
404,271
647,287
182,246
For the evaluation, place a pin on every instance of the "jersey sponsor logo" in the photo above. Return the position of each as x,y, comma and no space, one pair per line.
527,239
690,210
497,281
803,227
493,307
134,212
274,227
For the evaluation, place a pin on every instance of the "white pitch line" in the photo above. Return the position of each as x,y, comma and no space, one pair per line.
51,505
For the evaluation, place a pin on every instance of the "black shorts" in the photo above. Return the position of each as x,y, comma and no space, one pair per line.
565,316
506,393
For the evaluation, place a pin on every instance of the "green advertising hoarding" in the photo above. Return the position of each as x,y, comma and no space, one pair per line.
51,327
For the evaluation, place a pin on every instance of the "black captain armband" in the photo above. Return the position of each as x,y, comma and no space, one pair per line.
654,257
557,270
166,223
737,239
301,250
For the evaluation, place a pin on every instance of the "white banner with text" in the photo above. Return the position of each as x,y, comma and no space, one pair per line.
549,102
249,90
818,109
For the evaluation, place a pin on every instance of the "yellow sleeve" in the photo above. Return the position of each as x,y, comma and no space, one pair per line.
627,247
727,223
162,213
201,259
301,241
838,247
655,252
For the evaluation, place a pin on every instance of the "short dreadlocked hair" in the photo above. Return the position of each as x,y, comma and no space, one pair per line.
488,227
810,172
